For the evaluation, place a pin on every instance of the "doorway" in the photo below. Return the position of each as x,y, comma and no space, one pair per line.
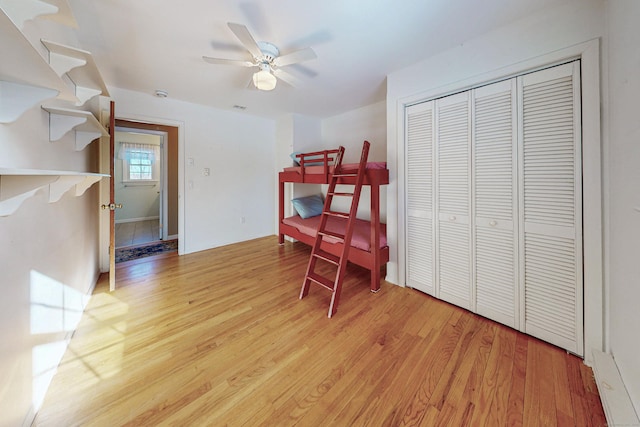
139,176
145,179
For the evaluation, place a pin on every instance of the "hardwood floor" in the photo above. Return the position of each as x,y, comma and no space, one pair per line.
219,337
137,233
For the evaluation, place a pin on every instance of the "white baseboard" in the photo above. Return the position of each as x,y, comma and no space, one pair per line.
614,396
172,237
145,218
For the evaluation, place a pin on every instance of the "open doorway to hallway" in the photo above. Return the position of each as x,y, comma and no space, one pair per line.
138,186
146,185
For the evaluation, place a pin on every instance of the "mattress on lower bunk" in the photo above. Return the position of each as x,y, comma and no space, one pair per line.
319,169
361,233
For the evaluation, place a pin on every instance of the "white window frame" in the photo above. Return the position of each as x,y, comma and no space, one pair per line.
153,164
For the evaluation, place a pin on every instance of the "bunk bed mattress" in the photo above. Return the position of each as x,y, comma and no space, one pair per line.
319,169
361,233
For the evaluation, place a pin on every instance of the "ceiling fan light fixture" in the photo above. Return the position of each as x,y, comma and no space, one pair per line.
264,80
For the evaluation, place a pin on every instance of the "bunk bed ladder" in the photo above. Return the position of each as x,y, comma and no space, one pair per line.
317,253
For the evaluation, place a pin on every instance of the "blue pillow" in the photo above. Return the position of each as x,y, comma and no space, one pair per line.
296,160
308,206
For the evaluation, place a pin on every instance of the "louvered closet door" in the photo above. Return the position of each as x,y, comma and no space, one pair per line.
495,187
551,207
419,151
453,146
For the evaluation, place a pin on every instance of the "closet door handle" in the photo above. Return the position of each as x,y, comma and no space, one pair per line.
452,218
493,223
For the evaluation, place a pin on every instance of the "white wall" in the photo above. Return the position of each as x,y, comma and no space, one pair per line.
48,257
139,200
624,191
239,151
350,130
307,136
295,133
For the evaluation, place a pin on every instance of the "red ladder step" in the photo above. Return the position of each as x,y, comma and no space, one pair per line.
333,259
336,214
322,281
331,234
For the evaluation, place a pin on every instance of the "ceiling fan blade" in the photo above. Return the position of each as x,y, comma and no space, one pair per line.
245,37
228,61
287,78
294,57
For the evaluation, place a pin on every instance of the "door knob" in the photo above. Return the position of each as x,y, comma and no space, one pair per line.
112,206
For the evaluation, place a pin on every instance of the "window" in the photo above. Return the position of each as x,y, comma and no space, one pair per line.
139,161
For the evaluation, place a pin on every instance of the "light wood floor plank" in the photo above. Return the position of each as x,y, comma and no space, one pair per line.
220,337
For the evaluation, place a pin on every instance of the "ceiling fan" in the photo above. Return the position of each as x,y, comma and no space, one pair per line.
266,57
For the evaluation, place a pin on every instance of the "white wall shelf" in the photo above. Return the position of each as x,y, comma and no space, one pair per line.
26,78
21,11
86,127
17,185
78,65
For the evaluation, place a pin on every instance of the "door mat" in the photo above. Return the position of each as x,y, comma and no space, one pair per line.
131,253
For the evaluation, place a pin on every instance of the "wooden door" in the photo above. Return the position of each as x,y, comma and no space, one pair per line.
107,198
112,198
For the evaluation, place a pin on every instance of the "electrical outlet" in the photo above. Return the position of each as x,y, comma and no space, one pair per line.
206,172
242,220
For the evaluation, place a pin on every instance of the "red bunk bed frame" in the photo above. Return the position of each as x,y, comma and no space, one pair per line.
316,168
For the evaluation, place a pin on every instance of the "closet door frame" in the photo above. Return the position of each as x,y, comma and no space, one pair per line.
589,54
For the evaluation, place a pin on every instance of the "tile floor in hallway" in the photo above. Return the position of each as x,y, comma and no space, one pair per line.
137,233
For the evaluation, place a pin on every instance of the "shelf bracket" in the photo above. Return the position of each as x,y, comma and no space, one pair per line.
84,138
14,190
60,186
64,120
84,185
84,94
62,64
17,185
60,125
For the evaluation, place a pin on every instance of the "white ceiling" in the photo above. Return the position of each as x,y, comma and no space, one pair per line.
144,45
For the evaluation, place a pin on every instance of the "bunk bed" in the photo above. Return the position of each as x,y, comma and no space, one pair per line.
369,248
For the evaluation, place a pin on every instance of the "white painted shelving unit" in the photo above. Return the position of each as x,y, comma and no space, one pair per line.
84,124
78,65
28,79
17,185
